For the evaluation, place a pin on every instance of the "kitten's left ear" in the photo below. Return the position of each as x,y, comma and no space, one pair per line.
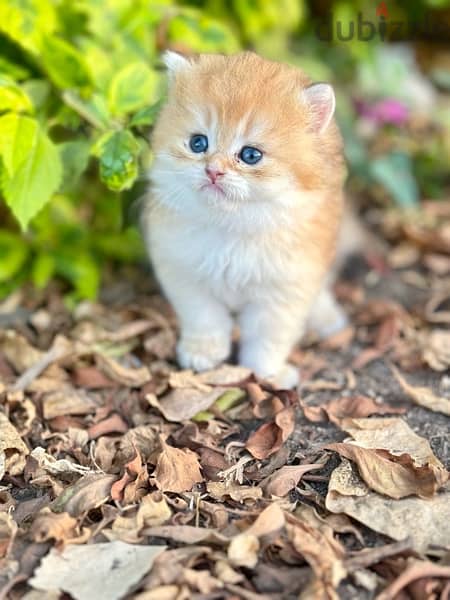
320,99
175,62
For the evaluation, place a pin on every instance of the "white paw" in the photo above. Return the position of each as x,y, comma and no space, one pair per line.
287,378
330,326
202,352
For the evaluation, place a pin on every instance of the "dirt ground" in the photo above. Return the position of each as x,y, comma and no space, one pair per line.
126,478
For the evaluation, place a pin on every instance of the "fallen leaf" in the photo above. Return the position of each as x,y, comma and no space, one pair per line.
161,344
91,378
391,458
12,449
281,482
349,406
186,534
127,331
220,490
90,491
423,396
18,351
201,580
56,467
60,348
163,592
67,401
176,470
113,424
322,552
8,530
269,438
143,439
101,571
397,519
53,526
181,404
244,548
126,376
417,569
133,484
153,511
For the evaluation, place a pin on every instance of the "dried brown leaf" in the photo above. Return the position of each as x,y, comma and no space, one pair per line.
281,482
244,548
90,491
396,519
126,376
113,424
269,438
91,378
20,354
153,511
176,470
67,401
183,403
8,530
12,449
423,396
392,475
324,554
101,571
417,569
53,526
220,490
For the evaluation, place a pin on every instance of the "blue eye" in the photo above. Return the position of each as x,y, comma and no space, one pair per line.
198,143
250,155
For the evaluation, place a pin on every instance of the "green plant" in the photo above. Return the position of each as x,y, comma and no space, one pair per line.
80,84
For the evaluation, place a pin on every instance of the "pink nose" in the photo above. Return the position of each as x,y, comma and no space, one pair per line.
213,174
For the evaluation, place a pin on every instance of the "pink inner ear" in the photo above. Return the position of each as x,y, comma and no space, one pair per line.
320,99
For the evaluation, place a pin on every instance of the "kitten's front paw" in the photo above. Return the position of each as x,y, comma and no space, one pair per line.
287,378
202,352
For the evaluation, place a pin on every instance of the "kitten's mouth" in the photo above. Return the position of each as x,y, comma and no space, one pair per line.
213,187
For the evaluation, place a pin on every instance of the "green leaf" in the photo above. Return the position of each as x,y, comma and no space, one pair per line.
75,158
43,269
32,166
64,63
15,71
118,152
94,111
394,172
146,116
132,88
14,253
81,270
27,22
200,33
12,97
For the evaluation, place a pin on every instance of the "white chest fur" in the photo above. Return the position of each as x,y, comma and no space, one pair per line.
235,266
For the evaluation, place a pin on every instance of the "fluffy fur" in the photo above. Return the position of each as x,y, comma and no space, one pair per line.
257,246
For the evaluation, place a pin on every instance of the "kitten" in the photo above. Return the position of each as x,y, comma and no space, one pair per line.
244,209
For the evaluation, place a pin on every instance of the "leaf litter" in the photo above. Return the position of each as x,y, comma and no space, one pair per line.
122,476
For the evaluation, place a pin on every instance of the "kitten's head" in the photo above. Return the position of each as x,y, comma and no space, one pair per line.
243,134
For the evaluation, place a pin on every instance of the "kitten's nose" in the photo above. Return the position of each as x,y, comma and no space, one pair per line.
213,173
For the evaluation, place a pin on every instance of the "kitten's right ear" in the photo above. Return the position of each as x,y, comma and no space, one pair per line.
175,62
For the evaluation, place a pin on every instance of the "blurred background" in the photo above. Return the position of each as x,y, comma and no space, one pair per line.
81,82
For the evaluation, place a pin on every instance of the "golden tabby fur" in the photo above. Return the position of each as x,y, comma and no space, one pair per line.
246,242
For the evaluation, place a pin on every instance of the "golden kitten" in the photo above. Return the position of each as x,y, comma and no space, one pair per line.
244,209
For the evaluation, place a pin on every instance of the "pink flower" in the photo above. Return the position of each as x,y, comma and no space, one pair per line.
385,111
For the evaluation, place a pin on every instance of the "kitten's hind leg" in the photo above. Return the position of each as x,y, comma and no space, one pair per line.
267,335
327,317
